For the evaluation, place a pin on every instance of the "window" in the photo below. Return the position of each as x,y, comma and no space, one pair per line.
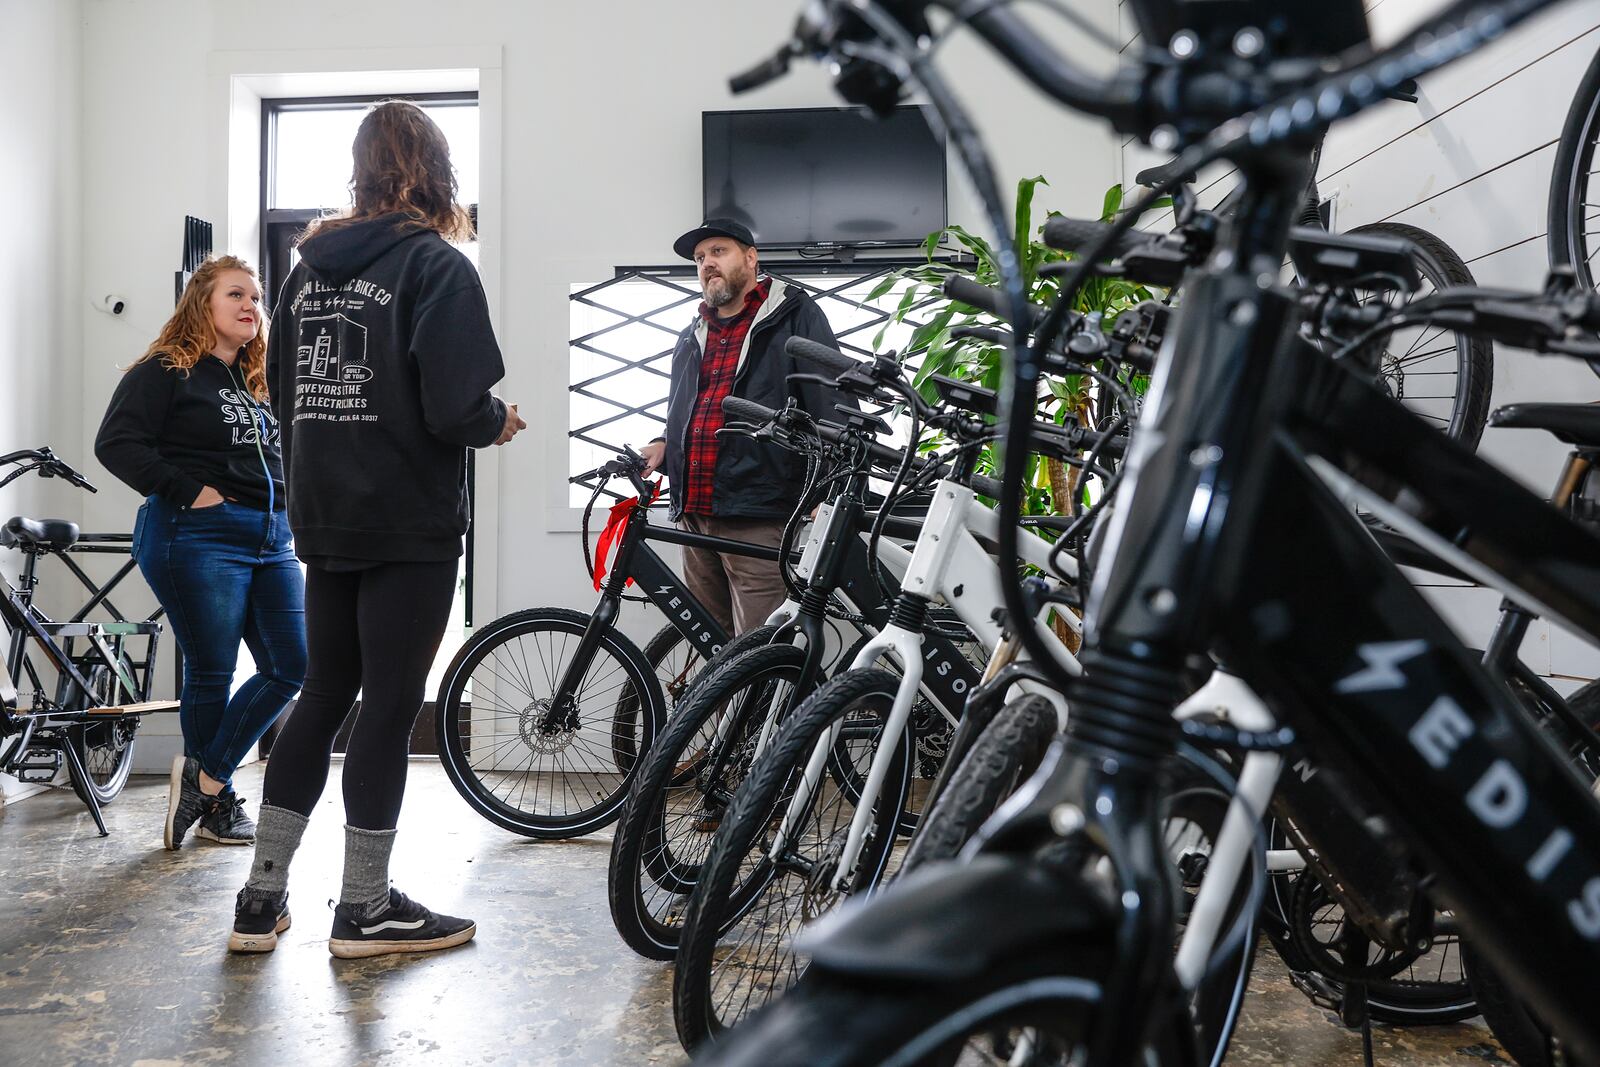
305,173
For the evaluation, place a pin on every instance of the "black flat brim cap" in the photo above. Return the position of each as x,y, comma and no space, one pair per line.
685,245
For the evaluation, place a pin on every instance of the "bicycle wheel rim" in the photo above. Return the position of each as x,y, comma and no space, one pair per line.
524,765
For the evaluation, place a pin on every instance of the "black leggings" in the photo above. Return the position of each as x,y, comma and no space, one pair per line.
373,632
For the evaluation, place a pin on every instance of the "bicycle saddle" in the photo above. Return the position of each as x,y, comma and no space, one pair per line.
49,534
1576,424
1151,177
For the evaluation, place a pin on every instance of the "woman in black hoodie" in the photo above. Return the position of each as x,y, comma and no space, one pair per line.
380,366
188,427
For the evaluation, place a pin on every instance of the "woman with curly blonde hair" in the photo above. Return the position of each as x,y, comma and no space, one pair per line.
189,426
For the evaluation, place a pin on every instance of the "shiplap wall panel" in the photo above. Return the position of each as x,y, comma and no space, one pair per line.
1470,162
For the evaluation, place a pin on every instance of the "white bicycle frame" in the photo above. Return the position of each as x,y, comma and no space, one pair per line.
891,555
949,564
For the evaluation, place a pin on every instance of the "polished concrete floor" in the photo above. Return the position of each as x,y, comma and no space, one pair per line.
112,952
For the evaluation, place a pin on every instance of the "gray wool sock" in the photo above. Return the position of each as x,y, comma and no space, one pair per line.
366,869
277,837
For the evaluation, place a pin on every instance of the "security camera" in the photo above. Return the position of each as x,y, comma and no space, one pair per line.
111,304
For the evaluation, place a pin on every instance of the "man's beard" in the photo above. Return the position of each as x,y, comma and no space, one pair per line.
720,291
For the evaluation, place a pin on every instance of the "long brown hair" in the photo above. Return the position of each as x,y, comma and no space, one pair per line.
189,336
402,164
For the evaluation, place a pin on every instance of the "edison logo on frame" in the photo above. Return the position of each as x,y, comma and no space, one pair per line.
1499,796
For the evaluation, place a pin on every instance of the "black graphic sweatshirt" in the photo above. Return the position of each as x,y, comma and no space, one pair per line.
174,432
380,362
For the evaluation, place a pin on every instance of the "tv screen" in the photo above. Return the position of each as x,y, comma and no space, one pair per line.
825,176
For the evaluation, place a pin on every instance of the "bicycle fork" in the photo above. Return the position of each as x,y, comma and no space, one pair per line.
905,643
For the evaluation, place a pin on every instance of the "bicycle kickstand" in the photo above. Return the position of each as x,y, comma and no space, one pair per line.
88,795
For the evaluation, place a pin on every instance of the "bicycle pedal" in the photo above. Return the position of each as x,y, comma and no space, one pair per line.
38,765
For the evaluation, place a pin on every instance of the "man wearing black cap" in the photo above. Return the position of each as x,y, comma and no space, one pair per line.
732,486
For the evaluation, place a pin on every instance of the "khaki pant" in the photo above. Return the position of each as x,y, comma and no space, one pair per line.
739,591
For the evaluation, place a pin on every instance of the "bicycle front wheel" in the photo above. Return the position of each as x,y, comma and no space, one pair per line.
1033,1008
736,950
516,760
689,777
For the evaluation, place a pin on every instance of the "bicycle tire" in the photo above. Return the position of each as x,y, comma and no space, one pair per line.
831,1020
674,678
1398,1001
722,901
1441,267
624,745
105,749
1567,241
1008,750
589,775
653,865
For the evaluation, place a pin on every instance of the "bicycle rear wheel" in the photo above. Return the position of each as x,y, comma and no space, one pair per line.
1438,374
105,748
510,756
1574,207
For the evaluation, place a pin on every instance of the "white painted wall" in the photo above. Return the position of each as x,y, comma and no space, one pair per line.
1469,162
40,285
597,138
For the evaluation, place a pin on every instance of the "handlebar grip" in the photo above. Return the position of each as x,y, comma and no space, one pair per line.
737,407
831,361
770,69
1078,235
985,486
985,298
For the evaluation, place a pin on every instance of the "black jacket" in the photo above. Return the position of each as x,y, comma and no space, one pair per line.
174,432
753,480
380,362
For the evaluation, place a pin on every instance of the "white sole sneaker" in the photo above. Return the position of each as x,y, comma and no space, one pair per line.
238,942
356,950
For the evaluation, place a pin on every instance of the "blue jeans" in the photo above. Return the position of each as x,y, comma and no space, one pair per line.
224,574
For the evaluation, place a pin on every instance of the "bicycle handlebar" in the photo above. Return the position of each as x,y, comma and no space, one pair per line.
48,464
984,298
832,362
1075,235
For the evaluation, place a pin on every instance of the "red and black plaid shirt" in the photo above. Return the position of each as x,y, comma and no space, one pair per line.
718,362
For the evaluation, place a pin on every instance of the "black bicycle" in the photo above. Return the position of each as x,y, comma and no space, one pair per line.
1233,534
544,713
79,703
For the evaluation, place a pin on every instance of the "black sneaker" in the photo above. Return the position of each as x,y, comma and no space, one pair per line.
226,823
402,926
258,919
185,802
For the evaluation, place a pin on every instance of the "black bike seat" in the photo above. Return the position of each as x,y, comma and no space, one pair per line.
1154,176
1576,424
51,534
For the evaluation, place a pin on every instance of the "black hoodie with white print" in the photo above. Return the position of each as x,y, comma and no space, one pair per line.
380,364
173,432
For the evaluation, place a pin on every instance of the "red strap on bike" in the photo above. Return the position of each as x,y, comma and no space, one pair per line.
614,526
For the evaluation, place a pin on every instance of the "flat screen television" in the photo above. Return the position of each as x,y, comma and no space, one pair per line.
805,177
